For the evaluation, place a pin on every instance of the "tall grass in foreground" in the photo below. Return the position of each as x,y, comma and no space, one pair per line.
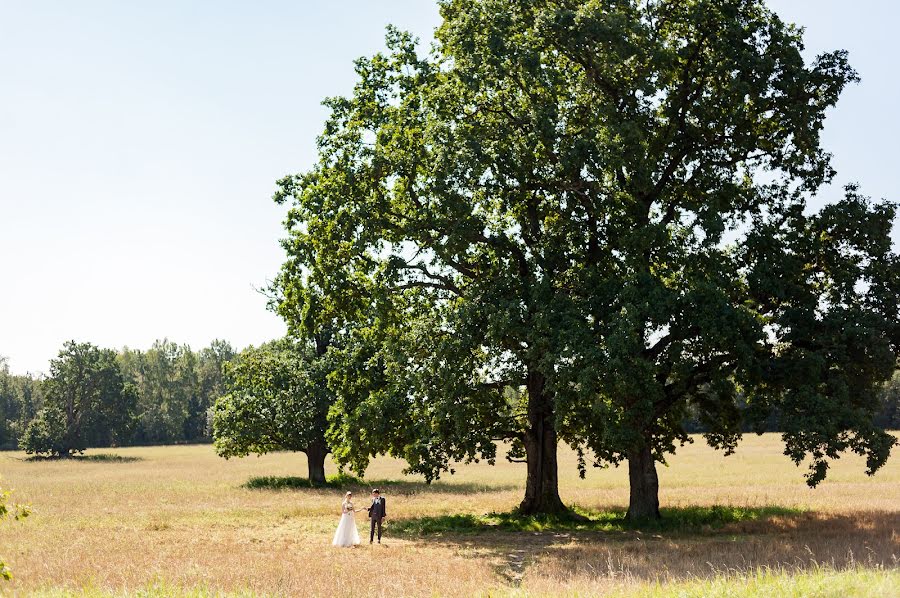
764,583
819,582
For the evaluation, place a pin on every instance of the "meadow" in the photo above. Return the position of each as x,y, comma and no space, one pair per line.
180,521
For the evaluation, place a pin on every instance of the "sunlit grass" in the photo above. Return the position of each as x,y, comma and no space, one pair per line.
181,521
157,590
819,582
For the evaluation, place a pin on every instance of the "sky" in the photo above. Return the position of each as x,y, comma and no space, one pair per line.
140,143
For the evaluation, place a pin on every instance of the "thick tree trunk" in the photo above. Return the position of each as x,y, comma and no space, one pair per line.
644,501
315,454
542,483
315,457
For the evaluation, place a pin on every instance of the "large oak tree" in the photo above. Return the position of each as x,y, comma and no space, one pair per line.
578,219
87,402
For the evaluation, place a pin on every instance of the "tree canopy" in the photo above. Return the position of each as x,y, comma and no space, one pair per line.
579,220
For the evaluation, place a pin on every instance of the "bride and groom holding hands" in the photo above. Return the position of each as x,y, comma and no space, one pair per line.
346,533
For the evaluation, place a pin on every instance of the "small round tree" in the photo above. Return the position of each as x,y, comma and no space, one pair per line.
276,400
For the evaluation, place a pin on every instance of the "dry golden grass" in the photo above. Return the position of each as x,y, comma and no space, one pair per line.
179,517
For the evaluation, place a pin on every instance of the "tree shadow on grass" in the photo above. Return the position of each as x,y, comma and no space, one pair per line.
691,520
386,486
688,543
802,542
95,458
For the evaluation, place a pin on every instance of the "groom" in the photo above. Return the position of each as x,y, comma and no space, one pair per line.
377,514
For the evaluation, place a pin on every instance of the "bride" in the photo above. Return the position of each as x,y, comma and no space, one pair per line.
346,533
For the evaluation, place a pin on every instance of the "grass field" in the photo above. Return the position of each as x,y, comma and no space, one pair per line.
180,521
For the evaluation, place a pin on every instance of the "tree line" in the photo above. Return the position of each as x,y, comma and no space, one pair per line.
278,399
96,397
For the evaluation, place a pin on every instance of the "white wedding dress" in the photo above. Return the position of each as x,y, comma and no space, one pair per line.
346,533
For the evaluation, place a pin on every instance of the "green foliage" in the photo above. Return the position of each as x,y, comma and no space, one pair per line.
9,511
46,434
20,400
87,403
277,483
210,386
819,580
166,397
276,400
108,458
832,308
591,218
95,458
176,388
390,487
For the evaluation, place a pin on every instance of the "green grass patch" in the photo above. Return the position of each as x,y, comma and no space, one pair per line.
108,458
674,520
346,481
820,582
340,480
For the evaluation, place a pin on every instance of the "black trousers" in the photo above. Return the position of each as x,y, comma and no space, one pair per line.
376,521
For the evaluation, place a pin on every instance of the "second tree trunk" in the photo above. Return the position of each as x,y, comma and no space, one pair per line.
644,500
315,458
542,483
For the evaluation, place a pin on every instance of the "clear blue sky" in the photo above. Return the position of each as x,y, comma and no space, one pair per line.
140,142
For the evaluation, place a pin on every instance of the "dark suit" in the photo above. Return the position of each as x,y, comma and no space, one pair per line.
377,512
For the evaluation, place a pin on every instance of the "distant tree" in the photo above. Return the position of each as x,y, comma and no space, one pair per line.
187,389
210,386
87,403
10,407
20,399
578,220
276,400
172,392
130,362
46,434
166,383
889,414
31,398
176,389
